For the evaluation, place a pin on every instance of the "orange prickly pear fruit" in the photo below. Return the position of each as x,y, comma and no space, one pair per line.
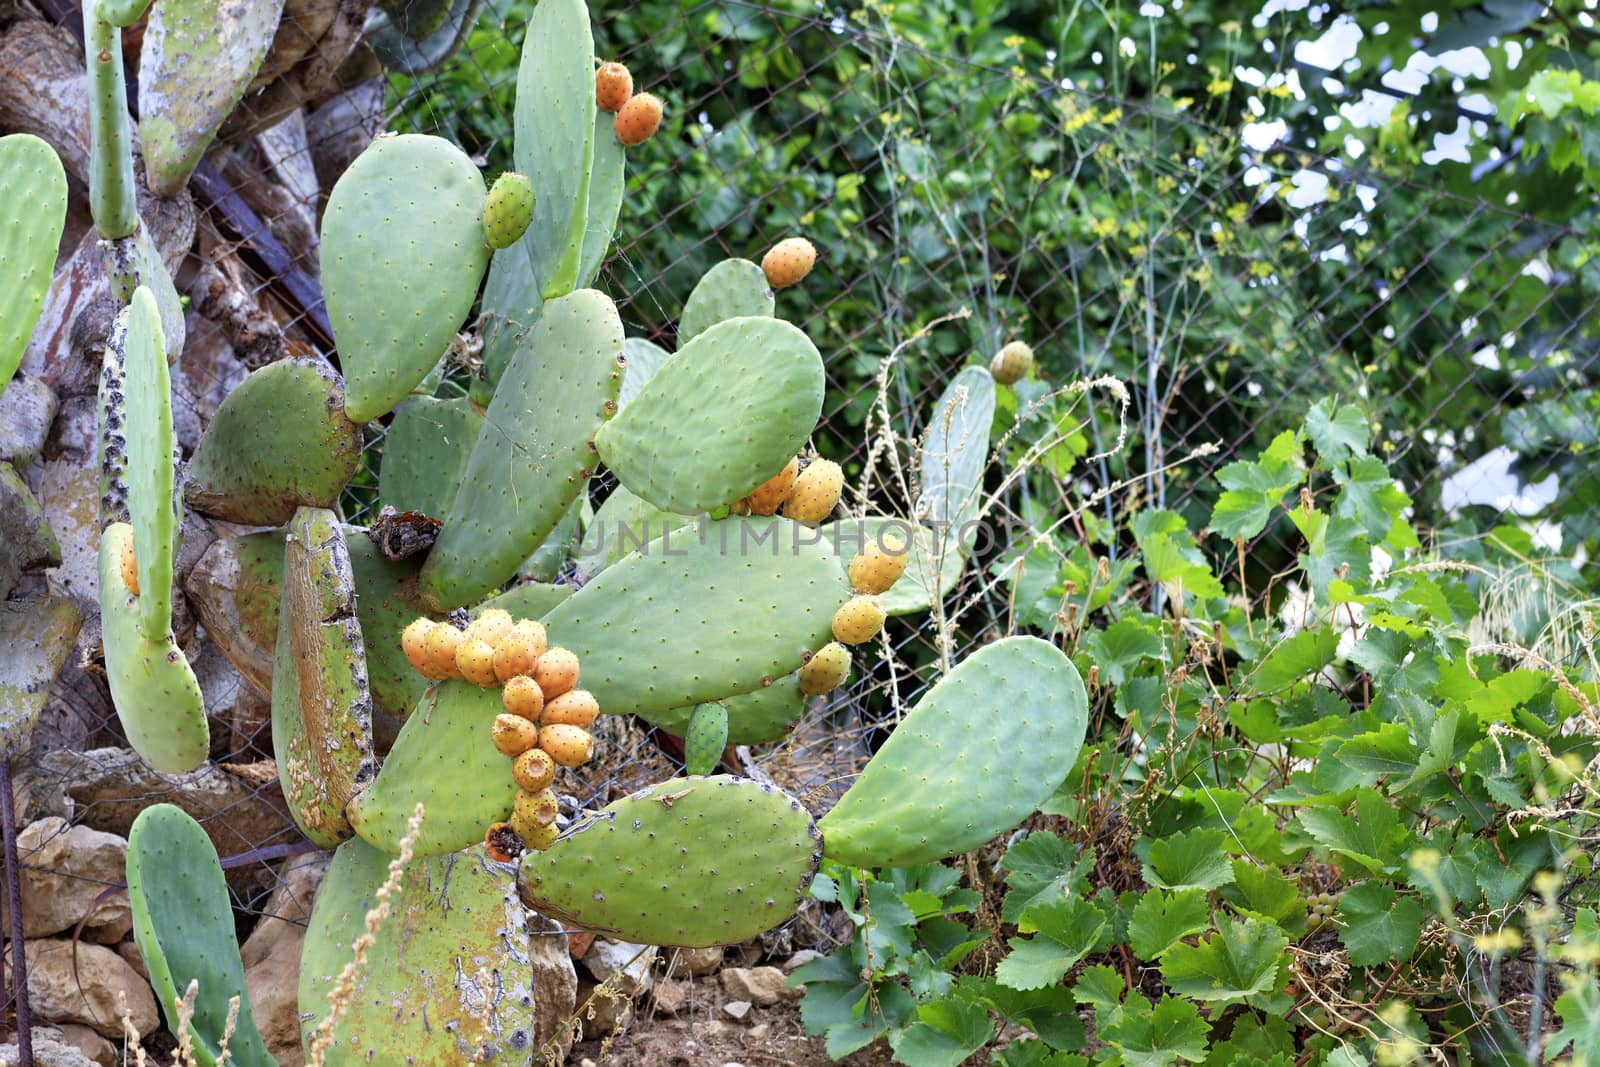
637,120
766,497
533,770
576,707
475,661
530,807
788,262
441,644
880,563
414,643
540,837
502,843
519,650
523,698
858,620
815,492
613,85
570,746
513,735
491,626
825,670
556,672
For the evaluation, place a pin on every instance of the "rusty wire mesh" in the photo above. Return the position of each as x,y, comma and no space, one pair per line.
1386,322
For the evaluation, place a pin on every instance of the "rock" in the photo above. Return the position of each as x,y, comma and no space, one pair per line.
64,870
671,996
759,1032
37,634
91,1044
91,995
271,956
578,943
26,542
50,1049
800,959
699,961
759,985
130,952
737,1008
27,408
623,967
555,982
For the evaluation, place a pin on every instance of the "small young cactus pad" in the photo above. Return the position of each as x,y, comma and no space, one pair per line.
688,863
706,738
978,754
682,454
148,431
734,288
30,174
183,925
756,717
402,254
955,453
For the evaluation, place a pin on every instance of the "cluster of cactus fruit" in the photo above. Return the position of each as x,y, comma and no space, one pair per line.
368,648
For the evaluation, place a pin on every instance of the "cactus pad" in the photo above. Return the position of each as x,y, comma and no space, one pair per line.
754,718
183,925
30,174
155,693
682,454
511,305
554,125
732,289
386,601
978,754
532,455
706,738
37,633
425,453
693,617
235,588
955,453
197,59
530,600
688,863
623,524
443,758
448,978
321,706
402,254
608,179
149,435
644,359
279,441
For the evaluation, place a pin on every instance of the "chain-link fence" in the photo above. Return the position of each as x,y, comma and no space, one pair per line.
1226,274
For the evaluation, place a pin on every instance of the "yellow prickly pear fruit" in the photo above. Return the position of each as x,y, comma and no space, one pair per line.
538,838
815,492
637,120
534,808
475,661
556,672
129,567
523,698
508,209
503,843
441,645
513,735
768,496
570,746
612,87
576,707
788,261
519,650
1012,363
859,619
414,643
533,770
825,670
491,626
880,563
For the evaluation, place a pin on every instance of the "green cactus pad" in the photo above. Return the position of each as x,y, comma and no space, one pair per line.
754,718
279,441
425,453
448,978
530,600
511,305
37,633
690,619
682,454
978,754
135,260
734,288
955,453
30,174
608,180
533,455
402,255
644,359
321,706
111,189
554,125
183,925
122,13
623,524
197,59
705,739
445,759
688,863
386,603
150,463
417,55
235,588
931,572
155,693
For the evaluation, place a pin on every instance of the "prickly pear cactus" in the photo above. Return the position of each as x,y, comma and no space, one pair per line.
734,288
607,183
761,715
932,567
707,737
448,977
429,252
425,454
644,359
708,861
183,925
678,452
30,174
981,751
148,433
955,453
